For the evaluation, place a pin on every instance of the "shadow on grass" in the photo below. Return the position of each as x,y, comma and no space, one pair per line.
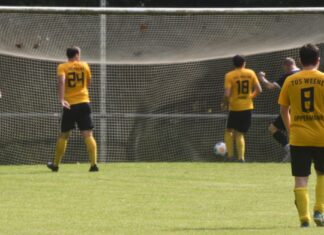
36,172
228,229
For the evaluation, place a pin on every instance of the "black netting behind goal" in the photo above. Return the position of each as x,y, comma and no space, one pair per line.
154,109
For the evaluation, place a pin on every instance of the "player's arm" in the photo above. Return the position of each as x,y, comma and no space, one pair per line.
61,91
285,115
227,96
89,75
284,103
264,81
227,93
0,94
257,89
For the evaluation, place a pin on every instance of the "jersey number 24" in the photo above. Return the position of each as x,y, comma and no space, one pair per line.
73,78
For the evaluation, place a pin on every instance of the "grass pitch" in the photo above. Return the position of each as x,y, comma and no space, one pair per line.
145,198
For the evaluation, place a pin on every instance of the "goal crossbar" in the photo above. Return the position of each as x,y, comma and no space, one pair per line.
161,11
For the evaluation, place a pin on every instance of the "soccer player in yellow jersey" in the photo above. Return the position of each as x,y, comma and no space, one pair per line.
302,109
241,87
74,79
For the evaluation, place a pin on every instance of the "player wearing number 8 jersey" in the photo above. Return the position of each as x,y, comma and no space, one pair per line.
302,109
241,87
74,78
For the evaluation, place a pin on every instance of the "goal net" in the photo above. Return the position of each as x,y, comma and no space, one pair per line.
157,78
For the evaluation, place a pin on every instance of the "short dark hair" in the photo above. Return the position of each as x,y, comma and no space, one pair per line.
309,54
71,52
238,61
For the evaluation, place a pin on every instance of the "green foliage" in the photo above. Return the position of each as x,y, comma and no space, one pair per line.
157,198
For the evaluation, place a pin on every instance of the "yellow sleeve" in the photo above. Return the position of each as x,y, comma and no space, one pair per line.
88,71
60,70
284,97
255,79
228,82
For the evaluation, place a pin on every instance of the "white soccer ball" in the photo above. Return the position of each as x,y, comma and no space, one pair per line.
220,149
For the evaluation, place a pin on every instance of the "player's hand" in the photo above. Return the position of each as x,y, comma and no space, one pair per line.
0,95
65,104
261,74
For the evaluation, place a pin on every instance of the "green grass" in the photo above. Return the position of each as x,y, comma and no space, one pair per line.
145,198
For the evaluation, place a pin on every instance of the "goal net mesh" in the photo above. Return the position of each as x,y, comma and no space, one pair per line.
159,98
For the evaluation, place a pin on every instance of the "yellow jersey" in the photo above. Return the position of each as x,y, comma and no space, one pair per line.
304,93
241,83
77,76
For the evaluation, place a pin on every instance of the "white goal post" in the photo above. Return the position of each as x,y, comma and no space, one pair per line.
158,77
163,11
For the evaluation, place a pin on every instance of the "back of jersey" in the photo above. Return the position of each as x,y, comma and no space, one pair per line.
304,93
77,76
241,82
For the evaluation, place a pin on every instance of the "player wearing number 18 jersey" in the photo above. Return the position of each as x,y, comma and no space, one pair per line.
302,109
74,78
241,87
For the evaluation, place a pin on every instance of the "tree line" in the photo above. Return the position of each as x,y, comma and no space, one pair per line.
167,3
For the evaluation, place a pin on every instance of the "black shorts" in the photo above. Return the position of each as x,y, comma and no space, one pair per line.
79,114
279,124
302,158
239,120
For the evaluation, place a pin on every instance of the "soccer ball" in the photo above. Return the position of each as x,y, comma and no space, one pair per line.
220,149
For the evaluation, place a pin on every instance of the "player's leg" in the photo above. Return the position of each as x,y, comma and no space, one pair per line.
240,146
67,124
91,148
229,141
229,135
59,151
85,124
61,147
319,190
278,135
242,127
301,161
302,200
277,130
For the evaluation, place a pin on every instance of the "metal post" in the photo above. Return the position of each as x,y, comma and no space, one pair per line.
103,153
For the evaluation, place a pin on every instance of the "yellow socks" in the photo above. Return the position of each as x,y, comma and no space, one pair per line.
60,150
302,204
61,147
92,149
319,204
229,143
240,145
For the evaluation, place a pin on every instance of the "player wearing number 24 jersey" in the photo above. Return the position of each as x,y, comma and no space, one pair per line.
78,77
302,109
74,78
241,87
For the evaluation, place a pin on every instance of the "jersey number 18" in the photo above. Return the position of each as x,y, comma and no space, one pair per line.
243,87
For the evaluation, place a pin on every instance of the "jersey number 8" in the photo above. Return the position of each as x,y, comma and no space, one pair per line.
307,99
